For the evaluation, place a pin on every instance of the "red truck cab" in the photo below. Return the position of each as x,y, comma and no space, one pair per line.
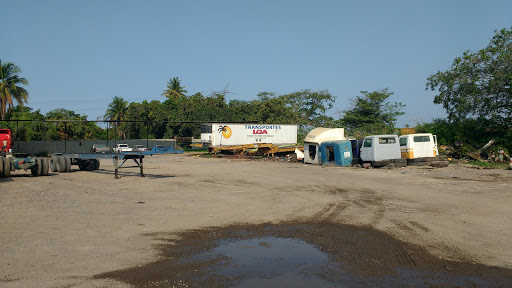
5,135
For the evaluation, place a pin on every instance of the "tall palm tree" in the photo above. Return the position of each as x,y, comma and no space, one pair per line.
10,88
116,111
174,89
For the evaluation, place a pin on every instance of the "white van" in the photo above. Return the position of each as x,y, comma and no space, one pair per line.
421,145
380,148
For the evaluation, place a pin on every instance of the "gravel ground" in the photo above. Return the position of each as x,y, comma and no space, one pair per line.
67,229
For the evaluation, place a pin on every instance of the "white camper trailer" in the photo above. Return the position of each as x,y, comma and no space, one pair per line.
315,138
422,145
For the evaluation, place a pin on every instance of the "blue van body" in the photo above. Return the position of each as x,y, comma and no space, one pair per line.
336,153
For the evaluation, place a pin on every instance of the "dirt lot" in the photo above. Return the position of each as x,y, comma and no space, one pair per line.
77,229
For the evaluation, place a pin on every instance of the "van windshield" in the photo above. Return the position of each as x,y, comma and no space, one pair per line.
403,141
367,143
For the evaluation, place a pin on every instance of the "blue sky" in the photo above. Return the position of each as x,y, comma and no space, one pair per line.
79,54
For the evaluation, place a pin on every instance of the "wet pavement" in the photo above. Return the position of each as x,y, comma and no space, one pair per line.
311,254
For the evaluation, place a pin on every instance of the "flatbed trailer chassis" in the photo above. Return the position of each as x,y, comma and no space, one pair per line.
90,161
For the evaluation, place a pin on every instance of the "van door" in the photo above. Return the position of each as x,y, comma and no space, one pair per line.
422,146
436,151
367,150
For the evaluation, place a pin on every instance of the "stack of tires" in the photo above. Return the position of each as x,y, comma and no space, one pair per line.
60,164
41,168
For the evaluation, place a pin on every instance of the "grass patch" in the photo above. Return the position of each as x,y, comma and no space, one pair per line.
492,165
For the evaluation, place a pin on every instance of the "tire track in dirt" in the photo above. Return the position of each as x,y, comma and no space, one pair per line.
419,226
404,257
347,203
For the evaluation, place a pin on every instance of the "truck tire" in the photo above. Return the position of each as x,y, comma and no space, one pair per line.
399,163
380,163
39,162
440,164
68,164
36,169
54,164
1,167
7,167
96,164
90,165
61,164
46,166
418,163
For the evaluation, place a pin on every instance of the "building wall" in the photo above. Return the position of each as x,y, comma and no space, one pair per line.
81,146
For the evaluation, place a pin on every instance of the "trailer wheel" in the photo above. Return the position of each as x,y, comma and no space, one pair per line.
96,164
68,164
90,165
36,169
82,167
7,167
46,166
61,164
54,164
1,167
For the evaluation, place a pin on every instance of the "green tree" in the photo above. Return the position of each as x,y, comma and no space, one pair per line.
174,89
372,114
478,84
116,111
10,87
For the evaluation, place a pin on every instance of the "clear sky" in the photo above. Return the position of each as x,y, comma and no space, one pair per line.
79,54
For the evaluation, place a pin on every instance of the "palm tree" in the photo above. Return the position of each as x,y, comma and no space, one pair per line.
9,87
174,89
116,111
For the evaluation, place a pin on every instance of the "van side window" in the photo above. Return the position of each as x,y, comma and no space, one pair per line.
387,140
421,138
367,143
312,151
403,141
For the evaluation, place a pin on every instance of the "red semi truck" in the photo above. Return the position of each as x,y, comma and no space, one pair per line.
5,140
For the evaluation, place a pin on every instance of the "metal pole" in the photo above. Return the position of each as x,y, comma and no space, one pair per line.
116,166
65,136
107,133
147,135
141,166
17,135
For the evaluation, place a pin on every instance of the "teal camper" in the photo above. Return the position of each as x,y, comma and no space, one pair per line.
336,153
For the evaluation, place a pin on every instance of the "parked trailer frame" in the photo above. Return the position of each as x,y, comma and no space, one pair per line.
82,159
90,161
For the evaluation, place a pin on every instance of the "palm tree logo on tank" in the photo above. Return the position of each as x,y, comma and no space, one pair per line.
225,131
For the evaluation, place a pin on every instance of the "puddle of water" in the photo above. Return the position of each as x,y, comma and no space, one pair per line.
271,262
286,262
281,256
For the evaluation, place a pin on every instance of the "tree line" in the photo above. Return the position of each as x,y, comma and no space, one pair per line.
475,92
